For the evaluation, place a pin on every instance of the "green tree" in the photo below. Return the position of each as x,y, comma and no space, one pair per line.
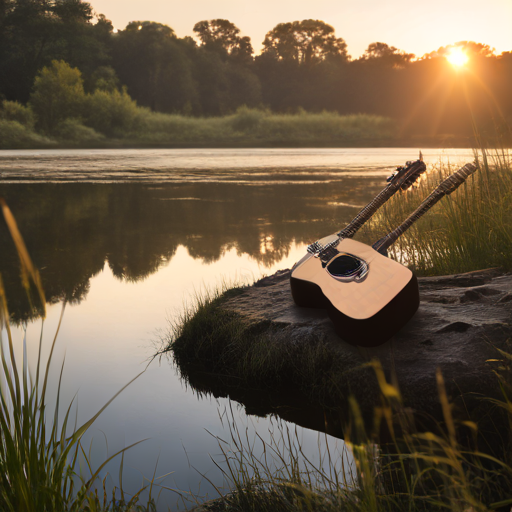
58,94
304,41
223,36
155,66
35,32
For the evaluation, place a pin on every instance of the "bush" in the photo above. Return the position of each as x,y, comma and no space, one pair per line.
14,111
111,112
58,94
74,131
247,119
14,135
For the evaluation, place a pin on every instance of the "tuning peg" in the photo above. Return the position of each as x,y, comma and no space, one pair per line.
421,156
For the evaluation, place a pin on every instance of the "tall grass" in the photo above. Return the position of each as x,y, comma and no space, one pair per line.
39,443
414,471
469,230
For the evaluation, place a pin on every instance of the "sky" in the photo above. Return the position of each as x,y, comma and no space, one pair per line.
417,27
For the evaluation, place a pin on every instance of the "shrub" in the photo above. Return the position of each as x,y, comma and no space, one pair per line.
14,111
111,112
15,135
247,119
58,94
73,130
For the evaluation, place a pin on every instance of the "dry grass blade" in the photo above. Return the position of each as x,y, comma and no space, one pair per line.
28,272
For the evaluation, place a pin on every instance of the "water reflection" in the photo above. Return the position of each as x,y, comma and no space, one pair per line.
72,229
285,403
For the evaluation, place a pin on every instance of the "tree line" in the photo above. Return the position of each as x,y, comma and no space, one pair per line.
303,65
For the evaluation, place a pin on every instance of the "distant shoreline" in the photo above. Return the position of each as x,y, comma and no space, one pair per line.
427,143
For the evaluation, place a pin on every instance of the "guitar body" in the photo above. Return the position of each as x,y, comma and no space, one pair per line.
365,312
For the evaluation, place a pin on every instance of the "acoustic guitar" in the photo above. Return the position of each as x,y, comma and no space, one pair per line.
368,296
402,179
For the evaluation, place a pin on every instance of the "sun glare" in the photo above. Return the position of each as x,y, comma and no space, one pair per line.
457,57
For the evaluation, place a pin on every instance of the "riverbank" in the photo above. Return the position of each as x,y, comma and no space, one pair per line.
442,142
433,398
136,127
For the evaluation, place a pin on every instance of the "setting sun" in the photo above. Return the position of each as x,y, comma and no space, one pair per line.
457,57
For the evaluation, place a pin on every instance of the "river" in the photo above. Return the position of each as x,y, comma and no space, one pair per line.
128,237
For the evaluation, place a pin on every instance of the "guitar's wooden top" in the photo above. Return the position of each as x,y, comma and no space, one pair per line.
386,278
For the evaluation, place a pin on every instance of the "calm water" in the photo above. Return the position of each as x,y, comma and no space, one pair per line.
127,237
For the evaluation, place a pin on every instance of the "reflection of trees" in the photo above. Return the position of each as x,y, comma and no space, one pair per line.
71,230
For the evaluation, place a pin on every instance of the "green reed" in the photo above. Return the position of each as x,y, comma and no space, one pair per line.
412,471
40,444
469,230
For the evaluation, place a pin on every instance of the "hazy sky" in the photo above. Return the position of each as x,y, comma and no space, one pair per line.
414,26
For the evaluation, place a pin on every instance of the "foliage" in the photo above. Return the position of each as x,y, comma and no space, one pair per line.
15,111
304,41
247,119
74,131
303,65
58,94
386,55
33,33
104,78
112,113
223,36
14,135
153,64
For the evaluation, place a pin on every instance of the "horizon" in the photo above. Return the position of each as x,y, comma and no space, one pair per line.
407,27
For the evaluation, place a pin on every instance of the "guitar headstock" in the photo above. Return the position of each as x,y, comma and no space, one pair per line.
406,175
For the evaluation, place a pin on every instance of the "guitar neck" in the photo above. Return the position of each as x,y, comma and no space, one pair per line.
446,187
367,212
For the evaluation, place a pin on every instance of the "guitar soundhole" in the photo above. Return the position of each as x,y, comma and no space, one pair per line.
343,266
346,267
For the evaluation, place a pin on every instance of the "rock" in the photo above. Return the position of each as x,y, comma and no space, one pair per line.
462,322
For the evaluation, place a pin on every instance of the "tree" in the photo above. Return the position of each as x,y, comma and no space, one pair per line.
304,41
155,66
471,48
386,55
223,36
35,32
58,94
